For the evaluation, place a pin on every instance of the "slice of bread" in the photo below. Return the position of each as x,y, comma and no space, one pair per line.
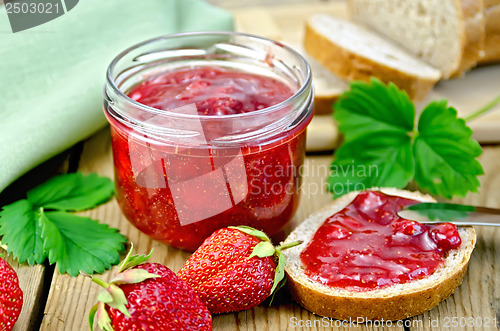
355,53
327,86
393,302
492,31
448,34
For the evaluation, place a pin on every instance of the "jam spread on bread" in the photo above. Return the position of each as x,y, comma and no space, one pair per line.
368,246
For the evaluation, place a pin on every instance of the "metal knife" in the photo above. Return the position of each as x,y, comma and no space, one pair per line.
430,212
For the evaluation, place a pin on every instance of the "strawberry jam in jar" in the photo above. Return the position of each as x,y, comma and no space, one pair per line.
208,130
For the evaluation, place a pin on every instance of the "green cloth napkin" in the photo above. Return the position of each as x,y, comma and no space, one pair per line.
52,76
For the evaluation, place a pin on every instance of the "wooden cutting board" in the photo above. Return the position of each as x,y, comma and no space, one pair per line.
468,93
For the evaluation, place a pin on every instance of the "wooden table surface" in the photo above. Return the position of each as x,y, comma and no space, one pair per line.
58,302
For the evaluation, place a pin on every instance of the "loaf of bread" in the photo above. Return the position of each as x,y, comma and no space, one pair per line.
327,86
393,302
447,34
354,53
492,31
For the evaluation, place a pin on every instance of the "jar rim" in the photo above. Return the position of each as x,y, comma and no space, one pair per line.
285,103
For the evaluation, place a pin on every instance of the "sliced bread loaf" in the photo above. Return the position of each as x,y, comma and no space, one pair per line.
448,34
327,86
492,31
392,302
355,53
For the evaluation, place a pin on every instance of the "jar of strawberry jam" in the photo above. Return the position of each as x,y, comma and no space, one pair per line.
208,130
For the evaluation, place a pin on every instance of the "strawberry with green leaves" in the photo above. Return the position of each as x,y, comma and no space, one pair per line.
148,296
11,296
236,268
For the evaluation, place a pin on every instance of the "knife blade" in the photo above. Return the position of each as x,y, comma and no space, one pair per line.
435,212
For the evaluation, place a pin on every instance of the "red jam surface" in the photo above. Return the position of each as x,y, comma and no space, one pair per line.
368,246
215,91
181,195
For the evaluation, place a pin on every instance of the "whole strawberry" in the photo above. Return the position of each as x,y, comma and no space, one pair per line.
236,268
148,296
11,296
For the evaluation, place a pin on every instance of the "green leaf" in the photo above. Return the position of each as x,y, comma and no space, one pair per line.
21,232
446,153
119,300
103,319
131,261
78,243
105,297
133,276
374,107
92,313
263,249
377,122
251,231
273,295
280,271
374,159
72,192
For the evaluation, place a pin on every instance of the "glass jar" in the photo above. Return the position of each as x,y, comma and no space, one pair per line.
180,175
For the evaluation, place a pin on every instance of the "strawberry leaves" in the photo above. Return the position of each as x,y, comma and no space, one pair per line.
251,231
40,227
79,243
263,249
280,269
113,295
375,159
371,108
73,192
382,147
22,233
445,143
266,248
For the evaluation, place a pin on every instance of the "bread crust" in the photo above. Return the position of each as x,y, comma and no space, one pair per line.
471,29
352,66
473,37
387,308
492,32
323,104
376,304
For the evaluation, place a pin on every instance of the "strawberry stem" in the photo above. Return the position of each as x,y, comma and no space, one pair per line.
100,282
279,274
131,261
483,109
290,245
